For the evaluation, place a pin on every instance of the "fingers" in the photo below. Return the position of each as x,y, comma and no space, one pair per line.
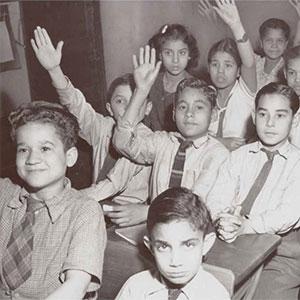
153,57
141,57
37,38
41,36
33,45
59,46
46,36
134,61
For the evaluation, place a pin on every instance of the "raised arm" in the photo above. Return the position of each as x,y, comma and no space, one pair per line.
296,5
48,56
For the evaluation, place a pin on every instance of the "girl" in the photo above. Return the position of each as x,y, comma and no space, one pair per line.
178,50
231,66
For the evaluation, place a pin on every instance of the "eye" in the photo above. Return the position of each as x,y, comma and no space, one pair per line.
189,244
167,52
199,107
280,116
214,64
228,65
183,52
181,106
291,73
162,247
261,114
22,150
45,149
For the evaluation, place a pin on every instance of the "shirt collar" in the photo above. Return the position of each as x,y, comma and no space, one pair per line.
55,206
283,150
196,143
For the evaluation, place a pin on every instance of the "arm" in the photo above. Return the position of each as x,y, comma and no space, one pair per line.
296,5
228,12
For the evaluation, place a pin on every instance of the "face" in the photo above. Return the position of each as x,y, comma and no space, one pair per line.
223,70
273,120
175,56
274,43
178,250
292,74
119,101
41,159
193,113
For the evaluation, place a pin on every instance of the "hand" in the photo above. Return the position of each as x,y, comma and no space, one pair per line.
232,143
296,5
47,55
145,70
228,12
205,9
128,214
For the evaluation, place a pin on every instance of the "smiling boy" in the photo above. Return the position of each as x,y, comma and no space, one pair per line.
177,224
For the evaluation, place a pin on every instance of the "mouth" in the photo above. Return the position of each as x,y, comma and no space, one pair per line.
270,133
176,274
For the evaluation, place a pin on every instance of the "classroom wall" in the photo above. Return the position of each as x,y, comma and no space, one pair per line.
129,24
14,84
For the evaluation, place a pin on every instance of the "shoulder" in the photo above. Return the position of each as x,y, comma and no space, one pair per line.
216,145
242,89
8,188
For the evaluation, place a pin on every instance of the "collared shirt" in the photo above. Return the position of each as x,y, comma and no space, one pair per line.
146,285
203,158
277,207
68,234
262,77
237,120
132,180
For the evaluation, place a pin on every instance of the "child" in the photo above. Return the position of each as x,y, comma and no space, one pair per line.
178,51
231,66
52,238
112,175
177,224
263,180
189,157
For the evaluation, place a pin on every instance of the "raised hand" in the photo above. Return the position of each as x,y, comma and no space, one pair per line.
296,5
47,55
228,12
145,68
205,9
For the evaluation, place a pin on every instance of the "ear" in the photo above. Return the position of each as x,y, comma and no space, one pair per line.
208,242
284,72
72,155
148,108
174,113
108,107
253,117
238,72
147,243
296,120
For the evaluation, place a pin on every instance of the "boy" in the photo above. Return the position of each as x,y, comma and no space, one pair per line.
256,190
113,176
52,238
189,157
177,225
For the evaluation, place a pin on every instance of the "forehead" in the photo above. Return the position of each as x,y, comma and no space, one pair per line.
174,45
294,63
190,95
274,102
175,231
274,33
223,56
122,90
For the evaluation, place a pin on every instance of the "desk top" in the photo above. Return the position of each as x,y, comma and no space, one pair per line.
242,257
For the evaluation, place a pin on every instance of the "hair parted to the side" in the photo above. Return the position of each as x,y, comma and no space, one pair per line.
126,79
207,90
291,53
176,32
279,89
179,204
227,45
274,23
44,112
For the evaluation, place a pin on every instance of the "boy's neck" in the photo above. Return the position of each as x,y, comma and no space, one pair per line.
276,147
223,95
270,64
171,81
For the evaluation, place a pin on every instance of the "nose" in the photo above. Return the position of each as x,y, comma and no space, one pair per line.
221,69
175,58
175,258
189,112
33,158
270,122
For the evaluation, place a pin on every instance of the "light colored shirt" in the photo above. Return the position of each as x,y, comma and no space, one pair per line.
146,285
295,131
237,120
126,177
69,234
264,78
277,207
203,158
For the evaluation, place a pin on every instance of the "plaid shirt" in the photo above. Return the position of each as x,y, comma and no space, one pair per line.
70,234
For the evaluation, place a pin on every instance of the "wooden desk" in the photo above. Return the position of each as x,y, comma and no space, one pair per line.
244,258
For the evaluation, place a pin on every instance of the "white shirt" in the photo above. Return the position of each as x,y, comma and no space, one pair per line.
277,207
147,286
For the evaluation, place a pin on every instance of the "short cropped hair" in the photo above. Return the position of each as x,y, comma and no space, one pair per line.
291,53
227,45
176,32
179,204
126,79
207,90
280,89
274,23
44,112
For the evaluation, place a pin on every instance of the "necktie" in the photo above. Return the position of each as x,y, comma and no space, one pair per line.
173,294
258,183
109,161
178,165
17,256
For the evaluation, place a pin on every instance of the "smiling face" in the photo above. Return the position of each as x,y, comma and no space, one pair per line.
193,113
175,56
273,119
41,159
292,73
178,250
223,70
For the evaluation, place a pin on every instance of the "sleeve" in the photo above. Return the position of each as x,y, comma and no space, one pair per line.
210,170
91,123
225,188
86,249
137,145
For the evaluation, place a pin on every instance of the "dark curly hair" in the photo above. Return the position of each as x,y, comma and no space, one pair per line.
58,115
176,32
274,23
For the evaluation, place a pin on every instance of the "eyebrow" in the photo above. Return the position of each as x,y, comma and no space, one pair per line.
185,48
277,110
